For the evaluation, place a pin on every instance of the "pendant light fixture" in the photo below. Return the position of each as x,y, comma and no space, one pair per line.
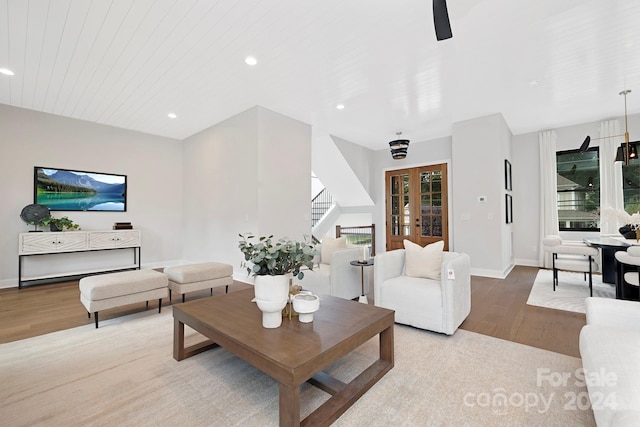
626,151
399,147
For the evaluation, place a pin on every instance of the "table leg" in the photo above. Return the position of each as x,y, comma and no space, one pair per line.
289,406
386,345
363,297
608,264
178,340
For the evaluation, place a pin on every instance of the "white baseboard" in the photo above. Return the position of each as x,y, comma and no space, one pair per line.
242,276
495,274
9,283
527,262
13,282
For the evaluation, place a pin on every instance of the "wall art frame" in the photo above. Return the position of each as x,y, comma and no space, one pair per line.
507,175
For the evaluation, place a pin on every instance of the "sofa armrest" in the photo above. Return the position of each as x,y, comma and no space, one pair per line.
387,265
345,278
613,312
456,292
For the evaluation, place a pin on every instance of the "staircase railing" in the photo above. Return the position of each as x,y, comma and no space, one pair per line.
320,205
360,235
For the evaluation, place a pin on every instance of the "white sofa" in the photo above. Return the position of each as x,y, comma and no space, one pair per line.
436,305
610,351
334,276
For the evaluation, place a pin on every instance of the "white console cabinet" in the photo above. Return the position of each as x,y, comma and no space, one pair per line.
49,243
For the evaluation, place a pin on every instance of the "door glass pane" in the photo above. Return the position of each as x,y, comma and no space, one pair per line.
407,215
426,226
437,226
395,205
425,186
425,204
436,179
395,186
395,225
437,204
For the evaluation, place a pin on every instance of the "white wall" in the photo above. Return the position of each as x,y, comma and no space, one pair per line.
152,164
479,149
220,172
359,159
284,187
249,173
335,172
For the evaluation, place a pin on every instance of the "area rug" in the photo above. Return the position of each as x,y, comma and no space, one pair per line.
570,293
123,374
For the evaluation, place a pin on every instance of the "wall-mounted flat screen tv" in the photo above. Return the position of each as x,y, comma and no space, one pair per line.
75,190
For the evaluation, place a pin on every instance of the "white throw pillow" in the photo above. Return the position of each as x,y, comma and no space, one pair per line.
329,246
424,262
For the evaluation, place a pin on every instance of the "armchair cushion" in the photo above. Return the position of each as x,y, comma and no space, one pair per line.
329,246
424,262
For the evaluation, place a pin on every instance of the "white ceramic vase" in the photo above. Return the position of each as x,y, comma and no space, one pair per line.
306,304
271,295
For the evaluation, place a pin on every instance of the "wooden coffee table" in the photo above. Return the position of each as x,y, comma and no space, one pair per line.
295,352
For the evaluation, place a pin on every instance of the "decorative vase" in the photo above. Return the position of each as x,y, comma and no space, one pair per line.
271,295
306,304
627,232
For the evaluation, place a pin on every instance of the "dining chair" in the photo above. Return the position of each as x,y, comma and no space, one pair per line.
571,255
631,259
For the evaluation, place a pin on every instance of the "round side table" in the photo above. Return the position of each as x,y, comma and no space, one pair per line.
362,265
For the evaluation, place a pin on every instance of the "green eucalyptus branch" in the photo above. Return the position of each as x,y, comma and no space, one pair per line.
276,258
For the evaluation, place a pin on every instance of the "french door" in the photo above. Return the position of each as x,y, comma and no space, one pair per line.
416,206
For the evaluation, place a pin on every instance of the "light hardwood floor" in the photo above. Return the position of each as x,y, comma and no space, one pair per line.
498,309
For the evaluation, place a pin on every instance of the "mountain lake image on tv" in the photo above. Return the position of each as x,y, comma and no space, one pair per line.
73,190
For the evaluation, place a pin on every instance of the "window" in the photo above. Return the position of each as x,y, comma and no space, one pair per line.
631,184
578,182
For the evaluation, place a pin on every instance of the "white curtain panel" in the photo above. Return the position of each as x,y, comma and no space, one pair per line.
610,175
548,192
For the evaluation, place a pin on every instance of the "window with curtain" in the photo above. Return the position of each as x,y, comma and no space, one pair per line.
578,182
631,183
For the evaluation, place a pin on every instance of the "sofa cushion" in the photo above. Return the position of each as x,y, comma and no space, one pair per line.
552,240
416,301
329,246
424,262
105,286
198,272
612,372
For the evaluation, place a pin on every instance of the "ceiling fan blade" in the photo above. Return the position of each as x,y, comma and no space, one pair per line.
441,20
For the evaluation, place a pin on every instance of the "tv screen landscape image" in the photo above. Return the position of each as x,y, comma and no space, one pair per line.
74,190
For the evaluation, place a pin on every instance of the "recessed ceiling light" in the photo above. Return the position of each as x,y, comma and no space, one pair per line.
340,106
6,72
172,115
250,60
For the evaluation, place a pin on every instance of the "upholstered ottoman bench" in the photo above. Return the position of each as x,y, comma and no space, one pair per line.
112,290
196,277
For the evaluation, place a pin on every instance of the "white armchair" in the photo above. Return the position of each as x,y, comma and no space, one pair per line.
435,305
334,276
